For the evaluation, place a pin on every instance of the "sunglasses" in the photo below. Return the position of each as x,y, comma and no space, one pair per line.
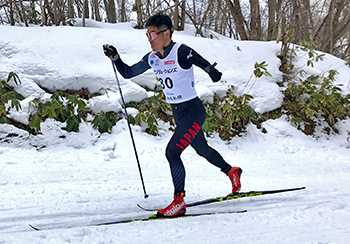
154,35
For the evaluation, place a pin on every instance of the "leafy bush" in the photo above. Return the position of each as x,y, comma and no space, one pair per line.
309,47
104,122
149,110
7,94
308,100
70,110
260,69
316,96
229,115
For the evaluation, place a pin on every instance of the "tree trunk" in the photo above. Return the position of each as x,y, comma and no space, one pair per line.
110,11
62,16
183,15
11,13
86,9
96,10
194,11
205,15
50,12
70,9
84,12
272,9
122,11
237,15
306,17
255,21
23,13
55,12
176,15
43,14
139,14
281,22
327,43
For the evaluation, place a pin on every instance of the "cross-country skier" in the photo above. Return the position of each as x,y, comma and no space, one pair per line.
173,63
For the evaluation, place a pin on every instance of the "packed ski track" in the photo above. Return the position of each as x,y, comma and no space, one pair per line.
63,183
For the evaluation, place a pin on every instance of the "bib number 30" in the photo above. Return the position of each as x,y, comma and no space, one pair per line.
168,83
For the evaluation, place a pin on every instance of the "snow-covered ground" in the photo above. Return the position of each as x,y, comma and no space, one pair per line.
59,179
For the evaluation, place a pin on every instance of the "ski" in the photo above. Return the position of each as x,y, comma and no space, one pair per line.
231,196
152,217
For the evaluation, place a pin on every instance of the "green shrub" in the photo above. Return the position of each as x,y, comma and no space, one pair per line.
7,94
229,115
308,100
316,96
149,110
70,110
104,122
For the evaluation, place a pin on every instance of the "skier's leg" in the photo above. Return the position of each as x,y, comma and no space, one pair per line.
203,149
177,168
201,146
173,152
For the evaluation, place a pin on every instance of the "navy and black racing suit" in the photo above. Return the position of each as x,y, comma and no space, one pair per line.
189,116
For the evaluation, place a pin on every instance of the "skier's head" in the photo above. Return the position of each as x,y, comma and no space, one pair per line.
161,21
159,32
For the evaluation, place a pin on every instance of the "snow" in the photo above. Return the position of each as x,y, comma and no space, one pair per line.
59,179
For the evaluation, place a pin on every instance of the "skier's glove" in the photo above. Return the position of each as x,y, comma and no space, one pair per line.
214,74
111,52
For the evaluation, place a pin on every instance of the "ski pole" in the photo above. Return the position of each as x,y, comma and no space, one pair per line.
131,135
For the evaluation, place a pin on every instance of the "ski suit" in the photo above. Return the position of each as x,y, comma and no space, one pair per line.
175,73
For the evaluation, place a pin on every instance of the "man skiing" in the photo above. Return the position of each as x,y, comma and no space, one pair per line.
173,63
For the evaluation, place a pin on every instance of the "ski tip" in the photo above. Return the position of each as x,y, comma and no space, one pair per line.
33,227
147,209
142,207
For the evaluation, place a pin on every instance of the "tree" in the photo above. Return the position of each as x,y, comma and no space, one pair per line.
139,14
70,9
235,8
255,20
324,22
272,20
95,10
110,11
122,11
333,27
11,12
176,15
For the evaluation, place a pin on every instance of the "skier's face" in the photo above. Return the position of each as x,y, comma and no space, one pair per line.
158,38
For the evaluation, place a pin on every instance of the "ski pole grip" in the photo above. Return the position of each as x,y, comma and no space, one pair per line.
207,69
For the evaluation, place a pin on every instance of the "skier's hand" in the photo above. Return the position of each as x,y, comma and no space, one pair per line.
111,52
214,74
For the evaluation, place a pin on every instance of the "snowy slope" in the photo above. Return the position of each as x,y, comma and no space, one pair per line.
68,179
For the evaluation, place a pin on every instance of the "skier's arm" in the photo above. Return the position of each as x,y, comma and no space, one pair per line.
131,71
125,70
188,57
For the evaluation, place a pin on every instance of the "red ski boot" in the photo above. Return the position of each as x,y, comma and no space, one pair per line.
235,176
176,208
